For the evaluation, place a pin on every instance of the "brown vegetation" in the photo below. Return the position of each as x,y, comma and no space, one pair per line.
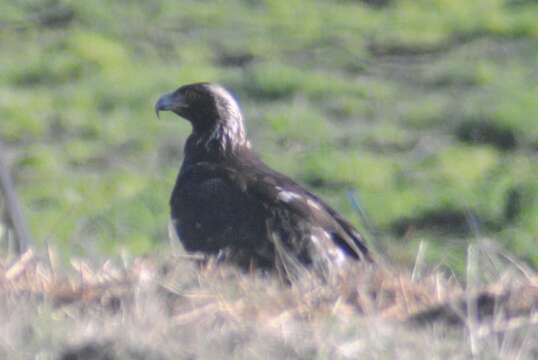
163,308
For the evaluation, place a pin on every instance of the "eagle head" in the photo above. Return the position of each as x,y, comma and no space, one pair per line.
204,105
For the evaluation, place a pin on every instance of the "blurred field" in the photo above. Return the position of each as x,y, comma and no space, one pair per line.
416,119
427,109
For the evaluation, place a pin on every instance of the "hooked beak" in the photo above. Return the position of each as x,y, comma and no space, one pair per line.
169,102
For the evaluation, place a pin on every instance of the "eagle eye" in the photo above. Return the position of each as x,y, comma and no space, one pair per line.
191,95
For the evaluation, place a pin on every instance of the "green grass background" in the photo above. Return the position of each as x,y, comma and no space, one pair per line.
427,109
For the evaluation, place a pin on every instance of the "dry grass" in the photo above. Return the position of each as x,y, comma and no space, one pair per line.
155,308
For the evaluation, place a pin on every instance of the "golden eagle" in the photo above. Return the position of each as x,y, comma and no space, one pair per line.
227,202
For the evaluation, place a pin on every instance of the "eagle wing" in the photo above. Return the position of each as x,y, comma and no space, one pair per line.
294,201
218,207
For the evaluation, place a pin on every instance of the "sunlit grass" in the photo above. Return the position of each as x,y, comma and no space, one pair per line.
424,108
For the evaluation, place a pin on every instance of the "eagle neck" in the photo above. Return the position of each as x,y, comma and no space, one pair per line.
224,139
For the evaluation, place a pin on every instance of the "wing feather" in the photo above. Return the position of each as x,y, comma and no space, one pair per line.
279,199
287,194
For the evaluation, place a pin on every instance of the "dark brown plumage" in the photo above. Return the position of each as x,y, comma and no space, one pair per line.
227,202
